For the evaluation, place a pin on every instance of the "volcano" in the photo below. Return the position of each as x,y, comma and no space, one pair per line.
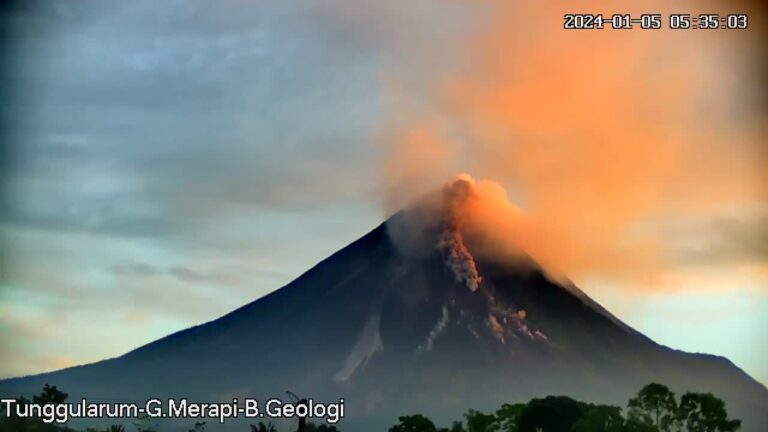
411,319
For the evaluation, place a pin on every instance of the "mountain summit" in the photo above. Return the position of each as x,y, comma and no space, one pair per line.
422,314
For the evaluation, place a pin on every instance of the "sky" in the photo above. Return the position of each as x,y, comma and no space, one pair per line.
165,163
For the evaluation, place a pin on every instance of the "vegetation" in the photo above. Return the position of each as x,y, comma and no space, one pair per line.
654,409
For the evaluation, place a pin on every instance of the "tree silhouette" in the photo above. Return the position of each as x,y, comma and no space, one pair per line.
261,427
9,422
456,426
600,418
145,423
507,416
634,425
654,405
199,427
311,427
703,412
551,414
480,422
654,409
113,428
50,394
414,423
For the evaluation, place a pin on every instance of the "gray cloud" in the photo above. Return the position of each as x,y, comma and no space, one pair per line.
140,118
135,269
184,110
147,133
721,241
181,273
194,150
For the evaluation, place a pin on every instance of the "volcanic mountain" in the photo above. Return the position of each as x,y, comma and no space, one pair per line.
410,318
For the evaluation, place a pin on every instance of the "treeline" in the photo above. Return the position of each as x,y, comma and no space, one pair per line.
655,409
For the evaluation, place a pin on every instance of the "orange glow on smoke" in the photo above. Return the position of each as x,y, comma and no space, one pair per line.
593,132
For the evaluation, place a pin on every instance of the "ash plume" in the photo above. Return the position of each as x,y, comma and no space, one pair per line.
459,259
451,243
588,137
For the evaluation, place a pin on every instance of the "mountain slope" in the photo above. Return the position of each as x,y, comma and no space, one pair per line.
434,329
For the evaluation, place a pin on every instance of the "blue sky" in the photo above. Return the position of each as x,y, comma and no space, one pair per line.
169,162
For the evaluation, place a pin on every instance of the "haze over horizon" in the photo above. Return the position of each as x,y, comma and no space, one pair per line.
213,153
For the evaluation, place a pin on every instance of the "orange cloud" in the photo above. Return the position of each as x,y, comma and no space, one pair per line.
592,132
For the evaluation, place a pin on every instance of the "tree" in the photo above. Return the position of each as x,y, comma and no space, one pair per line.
311,427
634,425
145,423
507,416
654,409
551,414
600,418
654,405
703,412
50,395
113,428
456,426
199,427
414,423
261,427
10,422
480,422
